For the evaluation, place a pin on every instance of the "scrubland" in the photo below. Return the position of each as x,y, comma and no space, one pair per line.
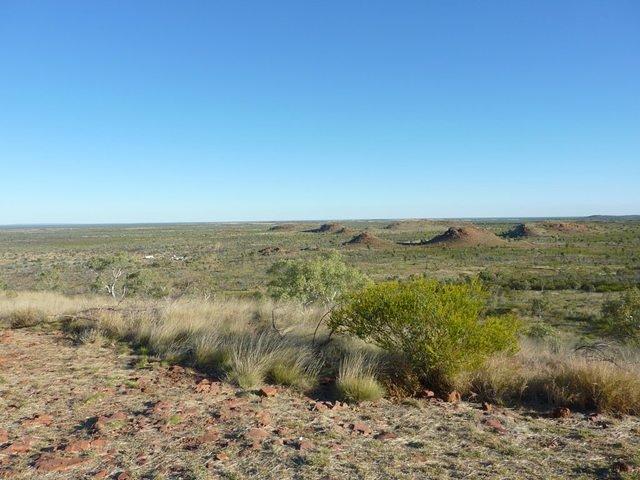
539,323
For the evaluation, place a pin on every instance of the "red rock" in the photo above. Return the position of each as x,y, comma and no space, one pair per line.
561,412
454,397
22,445
4,436
78,446
161,408
208,437
426,393
305,444
98,444
123,476
487,407
47,463
118,416
203,386
263,417
268,391
361,427
101,474
221,456
256,435
42,420
386,436
495,425
319,406
337,405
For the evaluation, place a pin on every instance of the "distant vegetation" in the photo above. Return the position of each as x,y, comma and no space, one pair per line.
490,310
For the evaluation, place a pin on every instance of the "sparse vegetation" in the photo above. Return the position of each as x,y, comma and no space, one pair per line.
406,320
24,317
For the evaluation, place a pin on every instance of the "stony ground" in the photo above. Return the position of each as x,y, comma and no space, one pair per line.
69,411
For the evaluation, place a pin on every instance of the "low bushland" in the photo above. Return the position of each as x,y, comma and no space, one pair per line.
385,334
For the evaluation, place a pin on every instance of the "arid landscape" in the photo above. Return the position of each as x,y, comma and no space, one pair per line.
184,352
334,240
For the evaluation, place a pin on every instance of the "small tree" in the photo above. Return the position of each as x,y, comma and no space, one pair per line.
112,275
437,327
321,280
620,319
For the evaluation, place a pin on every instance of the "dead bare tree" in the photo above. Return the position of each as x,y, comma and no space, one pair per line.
111,284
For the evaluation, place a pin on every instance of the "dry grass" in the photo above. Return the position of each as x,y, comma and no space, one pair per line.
248,342
236,339
356,380
562,377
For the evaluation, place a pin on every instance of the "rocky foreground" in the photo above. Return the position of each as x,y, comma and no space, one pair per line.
87,411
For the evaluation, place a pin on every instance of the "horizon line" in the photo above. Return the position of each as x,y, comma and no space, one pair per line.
209,222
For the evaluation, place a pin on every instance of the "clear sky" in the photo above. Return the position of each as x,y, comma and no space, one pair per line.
118,111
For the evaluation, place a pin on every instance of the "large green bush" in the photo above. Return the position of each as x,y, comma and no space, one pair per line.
321,280
438,327
620,319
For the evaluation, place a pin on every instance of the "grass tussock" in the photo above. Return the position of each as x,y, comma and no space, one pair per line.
565,377
24,317
234,339
356,380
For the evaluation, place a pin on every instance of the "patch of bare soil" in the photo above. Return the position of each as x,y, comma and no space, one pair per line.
71,412
565,227
522,230
366,239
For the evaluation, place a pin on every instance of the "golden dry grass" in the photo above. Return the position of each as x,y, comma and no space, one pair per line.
356,380
237,339
539,375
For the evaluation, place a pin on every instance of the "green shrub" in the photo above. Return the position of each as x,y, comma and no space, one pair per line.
539,306
320,280
620,319
541,331
438,327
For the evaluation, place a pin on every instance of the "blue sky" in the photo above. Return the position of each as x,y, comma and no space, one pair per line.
205,111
